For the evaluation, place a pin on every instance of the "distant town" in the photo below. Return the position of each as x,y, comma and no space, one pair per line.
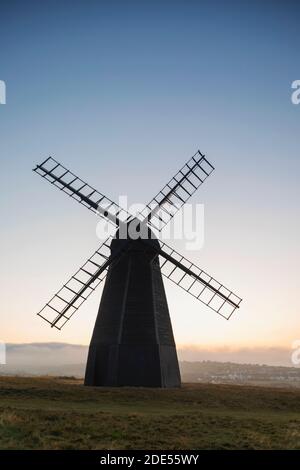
191,372
243,374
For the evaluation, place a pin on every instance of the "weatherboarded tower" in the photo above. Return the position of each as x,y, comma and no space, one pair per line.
132,342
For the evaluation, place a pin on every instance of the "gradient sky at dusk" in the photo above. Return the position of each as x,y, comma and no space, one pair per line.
123,93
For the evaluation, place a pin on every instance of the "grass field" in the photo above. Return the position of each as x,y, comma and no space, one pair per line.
49,413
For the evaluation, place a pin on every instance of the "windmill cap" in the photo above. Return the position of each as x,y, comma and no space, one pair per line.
135,233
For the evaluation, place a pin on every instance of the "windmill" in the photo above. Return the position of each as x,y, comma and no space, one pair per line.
132,342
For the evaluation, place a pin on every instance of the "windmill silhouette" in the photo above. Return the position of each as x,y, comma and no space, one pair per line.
132,342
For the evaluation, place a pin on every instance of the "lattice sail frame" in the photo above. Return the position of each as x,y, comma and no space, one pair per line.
82,192
62,306
162,208
197,282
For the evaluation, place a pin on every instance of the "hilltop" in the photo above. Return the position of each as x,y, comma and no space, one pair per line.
57,413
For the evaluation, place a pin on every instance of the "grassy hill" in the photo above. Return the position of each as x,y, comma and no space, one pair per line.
48,413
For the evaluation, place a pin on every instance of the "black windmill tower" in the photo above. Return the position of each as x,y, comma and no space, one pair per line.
132,342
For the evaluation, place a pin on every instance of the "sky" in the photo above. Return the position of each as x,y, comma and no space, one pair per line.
123,93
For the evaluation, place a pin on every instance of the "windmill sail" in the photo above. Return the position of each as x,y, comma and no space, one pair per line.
197,282
162,208
78,288
82,192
